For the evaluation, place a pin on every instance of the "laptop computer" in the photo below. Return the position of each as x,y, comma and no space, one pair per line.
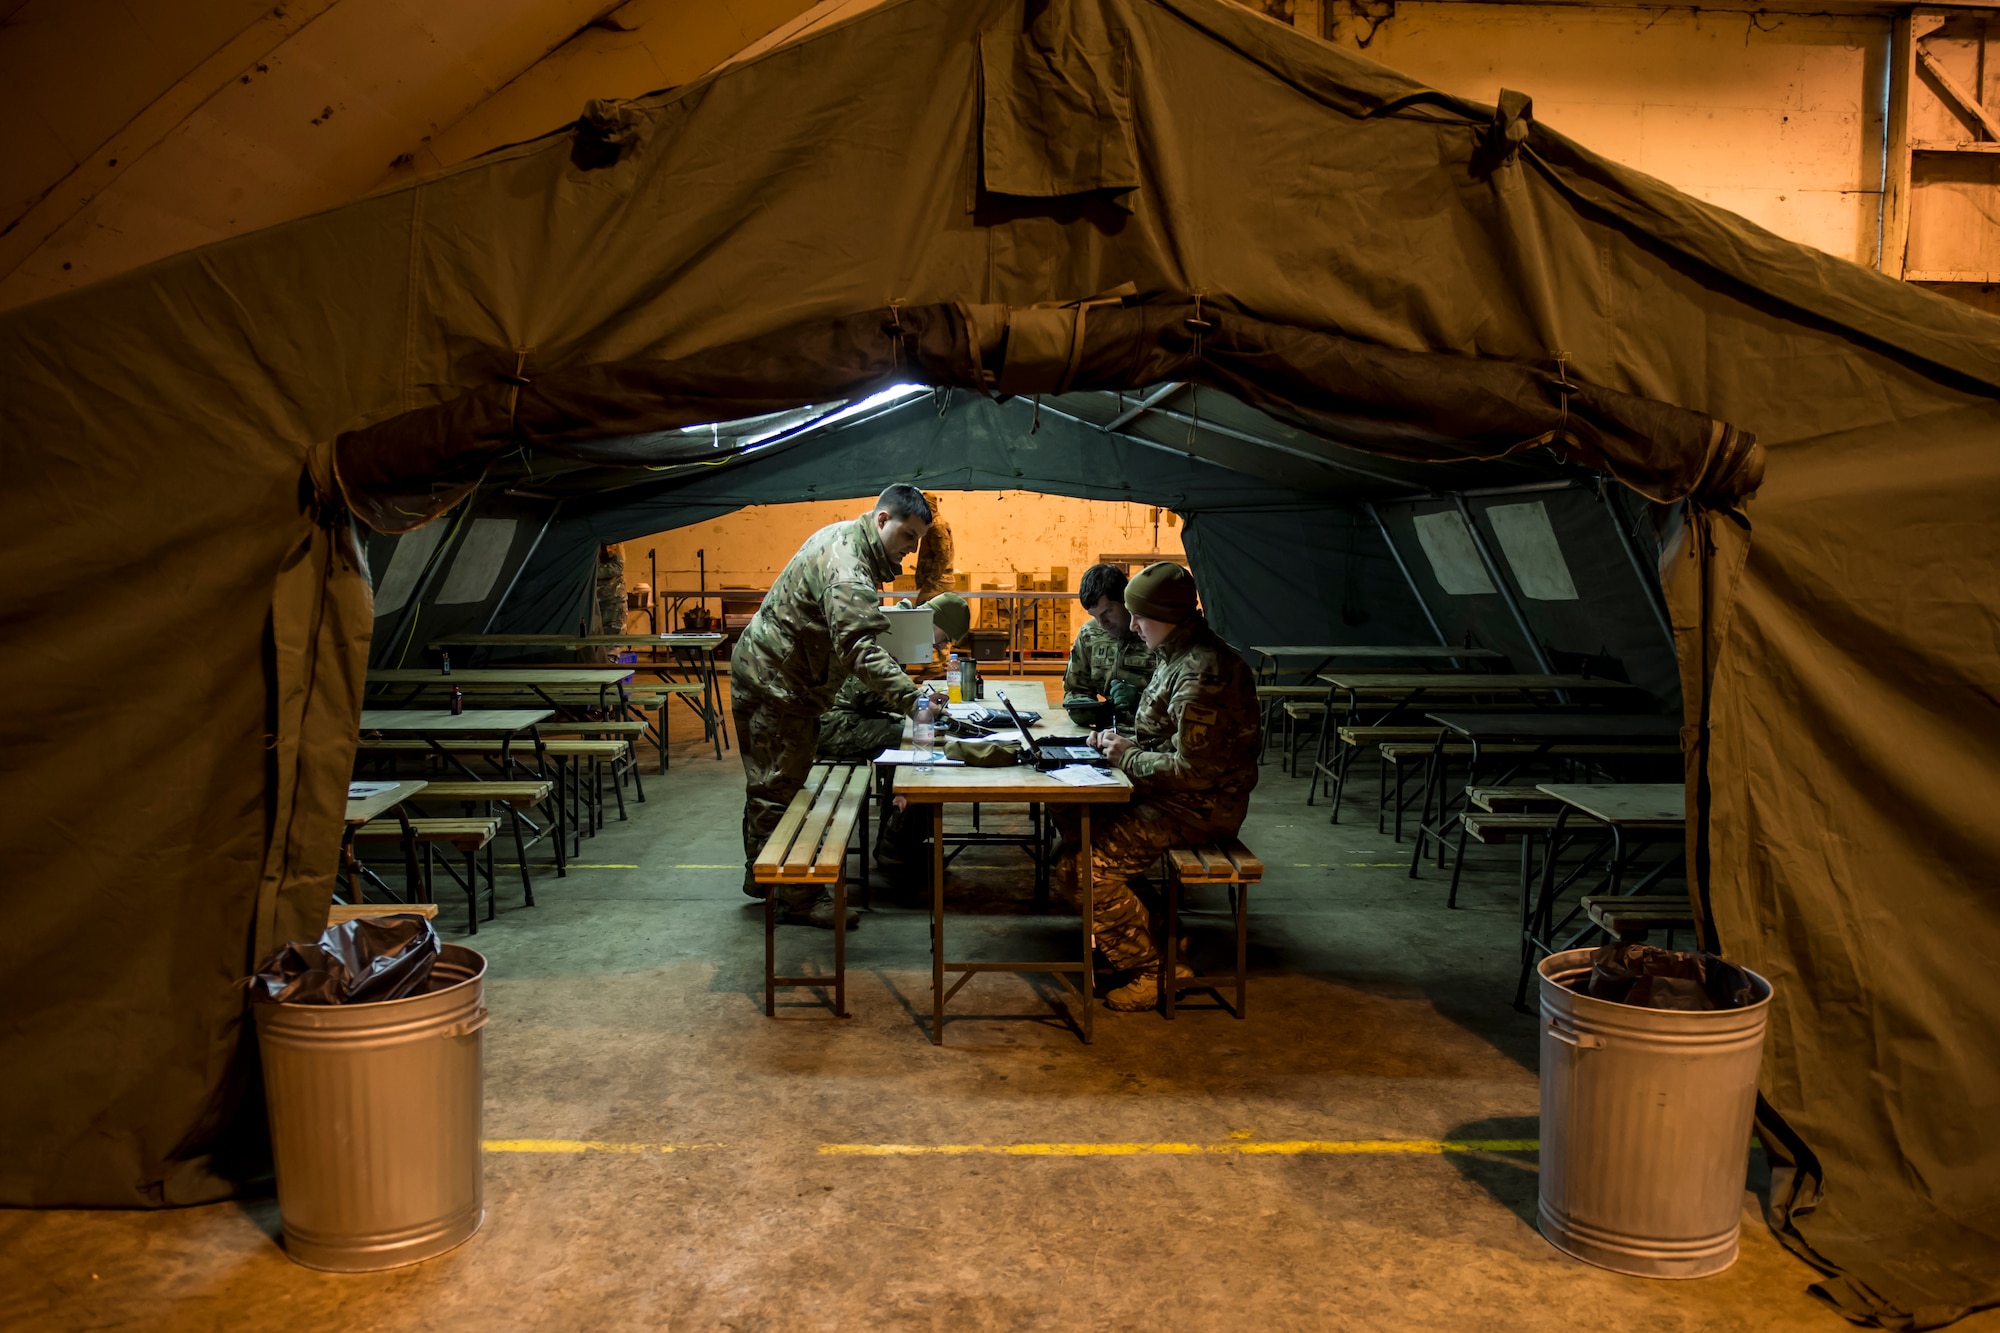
1052,753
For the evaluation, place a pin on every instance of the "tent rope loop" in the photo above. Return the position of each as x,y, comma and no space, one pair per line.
1565,387
517,382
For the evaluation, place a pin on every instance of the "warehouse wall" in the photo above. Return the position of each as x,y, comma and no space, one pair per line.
1778,117
994,535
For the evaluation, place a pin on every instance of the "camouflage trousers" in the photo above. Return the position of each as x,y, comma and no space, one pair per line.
777,746
1125,842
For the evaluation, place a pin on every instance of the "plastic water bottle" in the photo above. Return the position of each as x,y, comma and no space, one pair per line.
952,682
446,668
923,735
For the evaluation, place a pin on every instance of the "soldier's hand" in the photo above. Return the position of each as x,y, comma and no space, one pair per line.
1111,743
1124,695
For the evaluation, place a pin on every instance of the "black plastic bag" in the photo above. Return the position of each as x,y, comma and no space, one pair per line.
357,962
1649,978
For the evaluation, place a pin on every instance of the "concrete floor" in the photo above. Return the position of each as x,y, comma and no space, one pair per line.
626,1011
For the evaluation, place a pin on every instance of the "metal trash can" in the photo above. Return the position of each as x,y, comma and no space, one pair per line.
1646,1118
375,1121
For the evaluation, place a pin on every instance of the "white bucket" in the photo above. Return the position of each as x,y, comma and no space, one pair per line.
1646,1117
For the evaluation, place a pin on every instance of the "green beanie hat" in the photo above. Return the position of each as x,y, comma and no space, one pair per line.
1162,591
950,613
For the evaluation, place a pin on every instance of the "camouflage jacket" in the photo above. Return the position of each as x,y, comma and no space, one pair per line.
859,726
1198,730
818,624
1098,657
934,561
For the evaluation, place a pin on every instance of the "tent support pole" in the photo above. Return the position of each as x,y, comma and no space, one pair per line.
1139,409
1501,586
1649,580
1408,577
439,558
521,568
1380,478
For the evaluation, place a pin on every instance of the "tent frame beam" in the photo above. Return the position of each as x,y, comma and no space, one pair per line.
1396,554
1500,585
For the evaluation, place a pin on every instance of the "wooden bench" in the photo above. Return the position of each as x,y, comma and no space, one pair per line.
809,846
342,913
1629,918
1349,743
1291,740
1502,799
470,836
519,798
1228,863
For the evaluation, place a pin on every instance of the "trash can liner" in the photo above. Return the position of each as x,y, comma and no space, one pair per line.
1651,978
356,962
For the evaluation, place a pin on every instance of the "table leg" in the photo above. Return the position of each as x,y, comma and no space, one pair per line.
1088,901
937,925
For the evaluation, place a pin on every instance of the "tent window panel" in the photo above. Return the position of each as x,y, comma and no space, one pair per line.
1454,559
480,559
1529,543
406,565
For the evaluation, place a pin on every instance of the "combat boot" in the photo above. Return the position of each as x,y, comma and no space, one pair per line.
820,914
1143,990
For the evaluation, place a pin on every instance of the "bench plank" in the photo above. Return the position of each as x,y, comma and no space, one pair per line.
766,867
832,858
804,851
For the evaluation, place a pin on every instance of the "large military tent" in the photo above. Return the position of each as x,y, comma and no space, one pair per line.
1075,197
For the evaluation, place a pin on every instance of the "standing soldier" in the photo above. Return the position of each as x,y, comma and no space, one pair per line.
611,589
1193,762
934,557
1108,658
816,627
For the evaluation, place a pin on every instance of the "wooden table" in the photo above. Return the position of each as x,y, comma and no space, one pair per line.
1634,816
1325,655
1029,696
1407,688
534,679
361,810
433,725
944,786
700,652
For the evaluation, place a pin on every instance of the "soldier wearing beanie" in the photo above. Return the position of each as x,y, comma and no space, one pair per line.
1192,761
860,723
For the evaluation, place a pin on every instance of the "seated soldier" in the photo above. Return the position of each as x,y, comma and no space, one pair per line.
1192,761
860,723
1108,658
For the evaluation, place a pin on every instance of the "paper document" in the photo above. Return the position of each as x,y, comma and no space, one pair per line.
361,791
910,757
1083,775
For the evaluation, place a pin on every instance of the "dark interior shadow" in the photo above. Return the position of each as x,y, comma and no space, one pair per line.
1510,1175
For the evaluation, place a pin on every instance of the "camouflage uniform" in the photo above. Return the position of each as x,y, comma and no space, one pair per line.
934,560
611,592
1192,765
859,725
816,627
1099,657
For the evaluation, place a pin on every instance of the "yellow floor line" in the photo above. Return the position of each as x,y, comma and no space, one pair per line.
1278,1147
1236,1147
591,1145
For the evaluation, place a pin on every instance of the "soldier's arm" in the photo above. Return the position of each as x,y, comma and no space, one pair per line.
1195,757
1077,683
854,616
